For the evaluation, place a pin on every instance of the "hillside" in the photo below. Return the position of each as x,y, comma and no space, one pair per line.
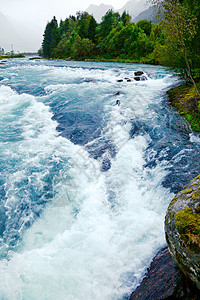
98,10
133,7
148,14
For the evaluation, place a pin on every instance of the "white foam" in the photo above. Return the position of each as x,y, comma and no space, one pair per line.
195,138
86,244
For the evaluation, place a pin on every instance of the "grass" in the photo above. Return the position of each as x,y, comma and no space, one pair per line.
11,56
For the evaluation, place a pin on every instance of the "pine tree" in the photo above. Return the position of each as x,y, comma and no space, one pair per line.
51,38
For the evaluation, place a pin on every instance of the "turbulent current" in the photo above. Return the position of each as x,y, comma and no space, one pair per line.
85,180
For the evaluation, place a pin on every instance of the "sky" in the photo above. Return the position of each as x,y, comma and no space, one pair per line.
28,19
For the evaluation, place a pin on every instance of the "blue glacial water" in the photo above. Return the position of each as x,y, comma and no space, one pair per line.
85,183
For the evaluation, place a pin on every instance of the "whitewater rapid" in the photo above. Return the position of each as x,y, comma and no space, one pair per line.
84,181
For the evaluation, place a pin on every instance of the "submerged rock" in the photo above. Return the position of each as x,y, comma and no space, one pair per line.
138,73
182,228
118,93
164,281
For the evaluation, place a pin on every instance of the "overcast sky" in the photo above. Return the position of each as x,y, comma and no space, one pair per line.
29,18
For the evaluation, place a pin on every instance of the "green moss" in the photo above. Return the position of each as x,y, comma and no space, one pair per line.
183,98
195,194
185,192
173,201
188,226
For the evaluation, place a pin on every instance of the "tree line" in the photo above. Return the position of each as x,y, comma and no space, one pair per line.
80,37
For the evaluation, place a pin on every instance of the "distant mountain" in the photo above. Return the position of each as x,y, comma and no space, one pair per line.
134,7
148,14
98,11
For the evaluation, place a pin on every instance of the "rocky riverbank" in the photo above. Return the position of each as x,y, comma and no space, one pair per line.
182,228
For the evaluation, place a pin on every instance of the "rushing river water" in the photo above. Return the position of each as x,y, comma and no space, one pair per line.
85,183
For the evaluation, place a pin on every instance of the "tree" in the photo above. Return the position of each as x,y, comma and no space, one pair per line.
51,38
125,18
108,23
83,24
146,26
63,49
92,29
82,48
182,25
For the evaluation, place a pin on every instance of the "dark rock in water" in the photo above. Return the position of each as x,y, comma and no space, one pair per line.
164,281
137,78
182,228
138,73
117,102
106,164
90,80
128,80
120,80
118,93
36,57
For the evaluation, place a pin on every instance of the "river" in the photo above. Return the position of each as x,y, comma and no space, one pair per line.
85,182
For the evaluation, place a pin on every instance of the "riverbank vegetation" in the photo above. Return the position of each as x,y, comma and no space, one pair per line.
181,51
11,56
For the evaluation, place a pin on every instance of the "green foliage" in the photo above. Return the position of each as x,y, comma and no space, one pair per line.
51,38
80,37
125,18
182,30
63,48
109,21
82,48
145,26
188,225
11,56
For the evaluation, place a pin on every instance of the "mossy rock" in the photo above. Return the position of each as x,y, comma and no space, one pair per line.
184,99
182,228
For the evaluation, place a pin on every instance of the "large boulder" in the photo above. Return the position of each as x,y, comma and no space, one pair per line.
182,228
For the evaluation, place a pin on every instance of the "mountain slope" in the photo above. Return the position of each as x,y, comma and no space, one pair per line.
98,11
148,14
134,7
